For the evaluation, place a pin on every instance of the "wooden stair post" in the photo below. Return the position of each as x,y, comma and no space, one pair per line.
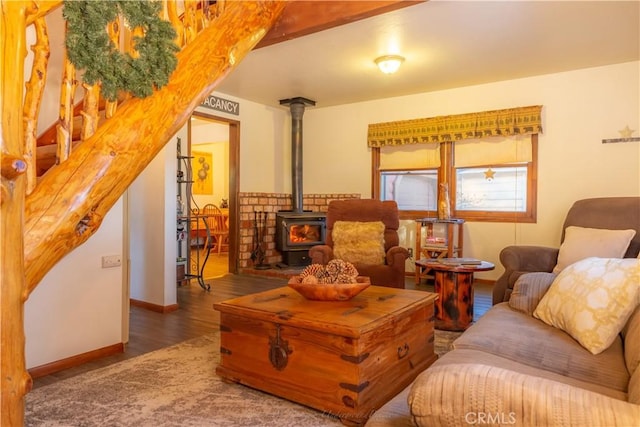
15,382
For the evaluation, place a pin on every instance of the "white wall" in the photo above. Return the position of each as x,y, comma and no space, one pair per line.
152,228
77,307
580,108
265,146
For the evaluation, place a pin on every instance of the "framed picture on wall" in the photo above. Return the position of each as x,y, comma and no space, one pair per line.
202,165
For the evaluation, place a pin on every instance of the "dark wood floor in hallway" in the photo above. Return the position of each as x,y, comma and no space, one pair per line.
195,317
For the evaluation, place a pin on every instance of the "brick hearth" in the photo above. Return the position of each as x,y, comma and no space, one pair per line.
272,203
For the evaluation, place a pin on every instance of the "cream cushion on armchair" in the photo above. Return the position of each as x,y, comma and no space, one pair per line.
583,242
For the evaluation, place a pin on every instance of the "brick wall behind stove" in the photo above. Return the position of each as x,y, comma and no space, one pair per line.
272,203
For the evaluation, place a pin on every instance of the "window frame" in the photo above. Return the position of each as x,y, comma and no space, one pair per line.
447,170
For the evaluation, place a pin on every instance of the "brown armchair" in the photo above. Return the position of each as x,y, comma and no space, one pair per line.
614,213
392,272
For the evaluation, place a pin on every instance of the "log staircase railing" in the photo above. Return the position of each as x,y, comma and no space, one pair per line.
80,121
46,215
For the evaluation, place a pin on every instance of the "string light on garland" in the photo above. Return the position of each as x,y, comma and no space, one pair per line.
89,47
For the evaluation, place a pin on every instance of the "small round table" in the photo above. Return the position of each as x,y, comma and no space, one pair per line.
454,286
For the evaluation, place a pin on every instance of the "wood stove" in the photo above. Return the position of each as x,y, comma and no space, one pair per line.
298,230
296,233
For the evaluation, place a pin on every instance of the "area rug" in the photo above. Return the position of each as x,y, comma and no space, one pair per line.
175,386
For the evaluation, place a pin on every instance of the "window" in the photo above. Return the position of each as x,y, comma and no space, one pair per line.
497,189
487,162
413,190
492,179
409,175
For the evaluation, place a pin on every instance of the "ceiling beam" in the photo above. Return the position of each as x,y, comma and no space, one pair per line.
303,17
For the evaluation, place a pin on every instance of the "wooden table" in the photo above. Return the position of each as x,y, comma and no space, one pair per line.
454,286
345,358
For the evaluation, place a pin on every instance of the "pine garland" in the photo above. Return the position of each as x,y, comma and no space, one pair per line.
89,47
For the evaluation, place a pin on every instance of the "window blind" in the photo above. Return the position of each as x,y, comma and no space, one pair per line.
415,156
492,151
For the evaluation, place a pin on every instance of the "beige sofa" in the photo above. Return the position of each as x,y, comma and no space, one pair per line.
510,368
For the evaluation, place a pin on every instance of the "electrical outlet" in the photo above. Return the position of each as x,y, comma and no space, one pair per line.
109,261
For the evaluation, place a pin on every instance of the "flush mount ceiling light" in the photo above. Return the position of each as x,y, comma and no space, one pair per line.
389,64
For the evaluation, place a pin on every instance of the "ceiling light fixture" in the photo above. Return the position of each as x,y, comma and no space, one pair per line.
389,64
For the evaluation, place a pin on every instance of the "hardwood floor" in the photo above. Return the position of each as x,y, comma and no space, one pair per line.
151,331
217,265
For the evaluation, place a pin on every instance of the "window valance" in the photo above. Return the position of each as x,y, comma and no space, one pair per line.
511,121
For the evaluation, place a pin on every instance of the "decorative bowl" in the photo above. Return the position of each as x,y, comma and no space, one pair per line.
330,291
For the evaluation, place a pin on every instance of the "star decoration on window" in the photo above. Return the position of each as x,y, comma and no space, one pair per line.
488,174
626,132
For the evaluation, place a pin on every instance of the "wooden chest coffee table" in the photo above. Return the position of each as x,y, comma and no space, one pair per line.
345,358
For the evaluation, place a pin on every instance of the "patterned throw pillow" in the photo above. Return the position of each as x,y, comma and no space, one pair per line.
592,300
359,242
580,243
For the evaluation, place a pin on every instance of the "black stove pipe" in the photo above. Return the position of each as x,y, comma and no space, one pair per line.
297,107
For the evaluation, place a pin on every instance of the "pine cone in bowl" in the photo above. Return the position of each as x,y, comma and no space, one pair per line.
337,281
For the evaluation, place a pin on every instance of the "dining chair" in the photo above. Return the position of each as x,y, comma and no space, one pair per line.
218,223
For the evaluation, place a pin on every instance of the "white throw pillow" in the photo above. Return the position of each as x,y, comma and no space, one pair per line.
592,300
580,243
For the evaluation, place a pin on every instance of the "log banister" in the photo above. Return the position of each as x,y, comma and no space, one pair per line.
68,203
197,15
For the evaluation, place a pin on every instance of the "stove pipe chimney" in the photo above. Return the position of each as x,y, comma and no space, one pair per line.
296,106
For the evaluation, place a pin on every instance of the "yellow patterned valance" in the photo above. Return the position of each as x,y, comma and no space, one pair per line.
512,121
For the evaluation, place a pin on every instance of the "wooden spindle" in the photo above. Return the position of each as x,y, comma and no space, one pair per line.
173,16
64,129
33,98
90,111
190,20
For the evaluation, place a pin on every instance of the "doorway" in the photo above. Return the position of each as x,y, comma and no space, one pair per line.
214,144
